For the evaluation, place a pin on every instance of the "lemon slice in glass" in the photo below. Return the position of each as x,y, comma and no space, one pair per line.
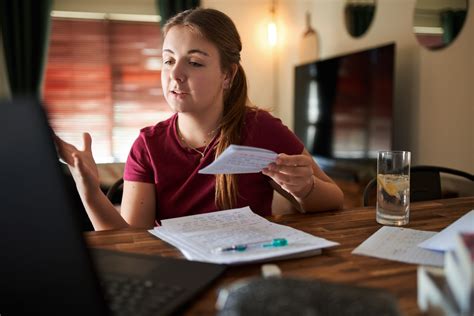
389,187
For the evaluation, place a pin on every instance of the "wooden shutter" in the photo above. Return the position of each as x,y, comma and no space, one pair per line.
103,77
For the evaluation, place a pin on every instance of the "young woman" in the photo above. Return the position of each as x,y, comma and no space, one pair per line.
205,85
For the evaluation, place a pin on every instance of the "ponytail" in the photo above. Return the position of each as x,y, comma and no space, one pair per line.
232,123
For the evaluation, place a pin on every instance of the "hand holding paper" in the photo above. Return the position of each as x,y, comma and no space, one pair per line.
240,159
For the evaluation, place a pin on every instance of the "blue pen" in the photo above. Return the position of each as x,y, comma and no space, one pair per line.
277,242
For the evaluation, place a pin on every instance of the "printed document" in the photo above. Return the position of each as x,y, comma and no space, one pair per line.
240,159
446,239
199,237
400,244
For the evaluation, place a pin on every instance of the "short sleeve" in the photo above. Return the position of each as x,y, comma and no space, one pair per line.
138,166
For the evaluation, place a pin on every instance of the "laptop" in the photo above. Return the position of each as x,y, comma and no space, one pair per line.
45,266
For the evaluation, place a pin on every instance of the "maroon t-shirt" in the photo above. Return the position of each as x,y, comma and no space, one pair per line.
158,157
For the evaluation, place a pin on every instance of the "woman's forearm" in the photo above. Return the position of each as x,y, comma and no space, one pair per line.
324,195
102,213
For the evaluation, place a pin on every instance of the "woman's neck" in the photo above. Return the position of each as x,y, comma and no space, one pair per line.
197,132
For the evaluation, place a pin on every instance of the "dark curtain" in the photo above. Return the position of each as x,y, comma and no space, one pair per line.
169,8
359,17
452,22
25,31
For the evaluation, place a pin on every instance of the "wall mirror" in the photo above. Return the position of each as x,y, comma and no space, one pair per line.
358,16
437,23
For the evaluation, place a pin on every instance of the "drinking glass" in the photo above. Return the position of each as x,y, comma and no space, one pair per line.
393,187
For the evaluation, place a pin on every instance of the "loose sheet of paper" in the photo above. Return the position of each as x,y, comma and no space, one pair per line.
400,244
446,239
240,159
199,236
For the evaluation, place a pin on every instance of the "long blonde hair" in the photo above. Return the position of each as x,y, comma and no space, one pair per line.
219,29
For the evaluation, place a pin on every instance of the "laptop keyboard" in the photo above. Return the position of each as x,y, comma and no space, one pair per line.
129,296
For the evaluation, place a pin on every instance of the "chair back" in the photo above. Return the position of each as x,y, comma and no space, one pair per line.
115,192
425,183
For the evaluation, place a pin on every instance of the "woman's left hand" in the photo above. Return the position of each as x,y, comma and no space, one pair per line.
294,173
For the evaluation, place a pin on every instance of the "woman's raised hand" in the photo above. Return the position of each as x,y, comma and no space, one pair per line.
81,164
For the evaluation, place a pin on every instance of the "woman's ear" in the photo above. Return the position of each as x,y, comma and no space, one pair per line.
227,83
230,75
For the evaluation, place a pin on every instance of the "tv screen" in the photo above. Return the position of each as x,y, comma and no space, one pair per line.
343,105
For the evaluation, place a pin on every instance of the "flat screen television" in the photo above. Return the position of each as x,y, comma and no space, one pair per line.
343,105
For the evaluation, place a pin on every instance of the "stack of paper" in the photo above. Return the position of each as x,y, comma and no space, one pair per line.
450,290
459,272
202,237
434,295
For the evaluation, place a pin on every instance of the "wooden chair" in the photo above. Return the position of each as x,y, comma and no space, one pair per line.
425,183
115,192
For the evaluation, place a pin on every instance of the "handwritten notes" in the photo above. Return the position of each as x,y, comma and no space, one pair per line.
400,244
240,159
198,237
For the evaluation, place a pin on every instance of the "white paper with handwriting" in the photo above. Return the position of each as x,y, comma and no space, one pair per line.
240,159
198,237
400,244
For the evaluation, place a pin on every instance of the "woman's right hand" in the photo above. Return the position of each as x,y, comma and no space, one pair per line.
81,164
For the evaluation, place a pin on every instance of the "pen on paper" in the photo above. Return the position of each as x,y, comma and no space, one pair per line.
277,242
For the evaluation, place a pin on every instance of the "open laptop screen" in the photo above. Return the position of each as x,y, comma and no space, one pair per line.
45,263
46,267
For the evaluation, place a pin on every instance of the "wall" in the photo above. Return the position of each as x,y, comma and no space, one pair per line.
434,90
251,18
446,102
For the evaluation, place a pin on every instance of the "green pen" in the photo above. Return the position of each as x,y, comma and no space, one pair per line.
277,242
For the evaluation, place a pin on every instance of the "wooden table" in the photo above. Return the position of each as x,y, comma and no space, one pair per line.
349,227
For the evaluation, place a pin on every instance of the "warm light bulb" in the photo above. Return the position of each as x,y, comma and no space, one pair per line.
272,33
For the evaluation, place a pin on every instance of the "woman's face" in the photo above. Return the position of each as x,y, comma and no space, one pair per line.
191,76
